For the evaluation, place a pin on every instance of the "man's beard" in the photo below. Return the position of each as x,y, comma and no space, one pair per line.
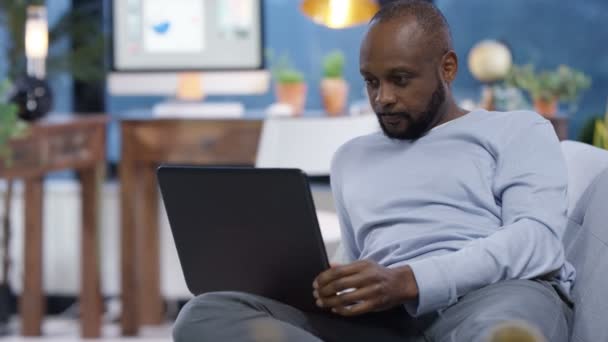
417,128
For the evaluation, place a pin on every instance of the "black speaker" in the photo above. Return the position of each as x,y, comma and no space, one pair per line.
33,97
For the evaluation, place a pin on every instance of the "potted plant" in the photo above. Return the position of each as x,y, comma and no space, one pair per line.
10,127
548,88
334,89
290,85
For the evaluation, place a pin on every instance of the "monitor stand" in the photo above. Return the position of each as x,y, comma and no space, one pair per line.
189,102
198,110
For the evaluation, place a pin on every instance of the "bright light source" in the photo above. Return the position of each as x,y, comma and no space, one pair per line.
338,13
36,32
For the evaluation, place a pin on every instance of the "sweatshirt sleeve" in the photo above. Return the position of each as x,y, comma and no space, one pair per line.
530,185
348,247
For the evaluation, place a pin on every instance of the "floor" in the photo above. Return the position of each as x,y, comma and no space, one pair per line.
64,330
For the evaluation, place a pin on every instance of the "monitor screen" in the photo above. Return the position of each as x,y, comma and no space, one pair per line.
161,35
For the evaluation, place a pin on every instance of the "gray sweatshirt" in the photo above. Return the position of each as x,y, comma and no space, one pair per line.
477,200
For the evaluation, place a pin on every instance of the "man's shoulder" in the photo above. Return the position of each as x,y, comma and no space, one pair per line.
517,130
516,118
501,127
357,147
362,141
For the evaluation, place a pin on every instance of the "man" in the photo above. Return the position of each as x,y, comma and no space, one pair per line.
451,221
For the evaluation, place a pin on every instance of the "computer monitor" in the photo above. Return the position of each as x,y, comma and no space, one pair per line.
161,35
155,42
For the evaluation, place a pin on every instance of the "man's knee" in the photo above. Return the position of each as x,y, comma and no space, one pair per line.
532,303
479,328
198,315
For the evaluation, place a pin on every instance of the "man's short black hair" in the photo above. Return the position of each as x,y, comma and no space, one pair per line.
427,16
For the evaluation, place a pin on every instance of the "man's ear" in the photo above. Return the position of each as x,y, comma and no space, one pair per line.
449,66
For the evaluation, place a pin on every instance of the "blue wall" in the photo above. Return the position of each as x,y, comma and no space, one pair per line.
544,32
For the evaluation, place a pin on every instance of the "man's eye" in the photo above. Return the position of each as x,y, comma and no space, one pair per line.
401,80
371,82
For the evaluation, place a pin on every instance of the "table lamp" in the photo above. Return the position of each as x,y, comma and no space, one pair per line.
32,93
340,13
489,62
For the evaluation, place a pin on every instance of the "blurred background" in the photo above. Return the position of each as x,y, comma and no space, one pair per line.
267,83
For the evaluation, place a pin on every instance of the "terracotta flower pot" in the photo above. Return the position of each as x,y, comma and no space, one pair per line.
334,92
293,94
547,108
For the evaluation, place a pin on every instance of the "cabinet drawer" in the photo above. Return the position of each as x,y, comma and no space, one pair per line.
26,154
193,141
68,148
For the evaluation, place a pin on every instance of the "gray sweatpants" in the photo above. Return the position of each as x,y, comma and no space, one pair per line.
234,316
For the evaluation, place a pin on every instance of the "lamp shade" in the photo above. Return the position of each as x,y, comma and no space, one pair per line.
340,13
36,32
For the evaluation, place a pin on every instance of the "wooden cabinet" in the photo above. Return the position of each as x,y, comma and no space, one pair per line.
145,145
55,144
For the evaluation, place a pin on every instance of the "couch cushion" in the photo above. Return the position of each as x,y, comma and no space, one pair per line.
584,163
586,242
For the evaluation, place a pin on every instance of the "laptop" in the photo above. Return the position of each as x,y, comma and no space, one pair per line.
245,229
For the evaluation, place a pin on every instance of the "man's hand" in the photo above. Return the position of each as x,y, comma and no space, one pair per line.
364,286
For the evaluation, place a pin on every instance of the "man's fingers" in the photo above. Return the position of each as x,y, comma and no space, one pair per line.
350,298
356,309
339,272
356,281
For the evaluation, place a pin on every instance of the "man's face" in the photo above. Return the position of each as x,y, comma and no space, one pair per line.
403,79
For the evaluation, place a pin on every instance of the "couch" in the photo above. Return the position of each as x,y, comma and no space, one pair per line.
586,239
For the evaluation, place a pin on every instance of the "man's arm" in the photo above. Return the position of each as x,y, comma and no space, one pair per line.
347,241
531,184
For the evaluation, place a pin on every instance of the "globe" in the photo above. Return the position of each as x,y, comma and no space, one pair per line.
490,61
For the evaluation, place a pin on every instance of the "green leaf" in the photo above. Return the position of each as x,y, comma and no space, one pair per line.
10,125
600,137
564,83
333,64
282,69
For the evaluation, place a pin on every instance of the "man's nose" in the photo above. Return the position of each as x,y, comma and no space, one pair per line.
385,97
